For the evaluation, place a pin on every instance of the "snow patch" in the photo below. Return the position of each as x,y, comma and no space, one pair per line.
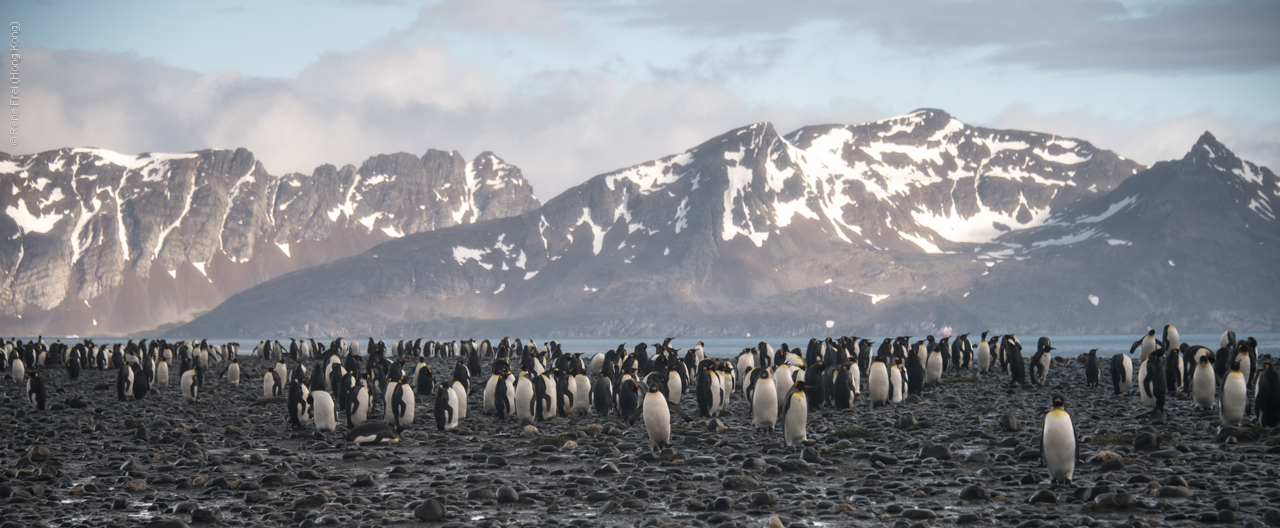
1093,299
927,246
31,223
531,274
1171,263
830,323
501,287
393,231
876,298
597,233
1113,209
1067,240
1069,157
463,254
173,273
1118,242
681,220
284,248
200,267
654,175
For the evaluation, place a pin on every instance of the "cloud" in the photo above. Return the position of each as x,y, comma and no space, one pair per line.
1151,141
532,17
1089,35
559,126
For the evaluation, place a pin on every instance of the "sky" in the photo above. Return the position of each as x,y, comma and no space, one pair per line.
573,88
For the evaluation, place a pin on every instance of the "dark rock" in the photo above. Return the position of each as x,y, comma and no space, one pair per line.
966,518
918,514
938,451
1145,440
884,458
907,421
607,470
1227,516
810,455
739,483
974,492
764,498
39,454
481,494
310,502
209,515
1113,464
363,481
507,495
1227,504
429,510
1173,492
1044,497
1010,423
722,504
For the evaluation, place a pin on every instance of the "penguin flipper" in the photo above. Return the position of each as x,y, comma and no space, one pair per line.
639,412
676,409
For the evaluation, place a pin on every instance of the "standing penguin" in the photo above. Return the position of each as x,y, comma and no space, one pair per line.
1231,409
1121,373
162,373
933,368
602,394
1266,402
524,399
326,416
1092,371
1014,364
628,398
1058,447
897,382
400,404
17,370
73,367
878,382
446,407
795,413
192,381
461,392
705,391
270,384
124,381
233,372
657,411
36,395
844,386
358,401
141,385
1152,388
1040,362
1204,383
1146,345
764,406
1173,369
297,404
983,355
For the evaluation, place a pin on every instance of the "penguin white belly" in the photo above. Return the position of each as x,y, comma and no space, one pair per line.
511,394
717,398
1127,372
460,410
933,370
764,407
551,410
452,423
410,405
657,419
325,417
597,364
983,357
490,387
17,370
782,382
1148,399
233,373
581,386
1059,445
188,386
793,424
360,414
745,361
524,401
162,374
1043,375
1203,386
895,384
878,383
675,388
856,374
1231,410
268,385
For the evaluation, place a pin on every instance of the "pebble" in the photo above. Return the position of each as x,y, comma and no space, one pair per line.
974,492
39,453
1044,497
429,510
919,514
739,483
507,495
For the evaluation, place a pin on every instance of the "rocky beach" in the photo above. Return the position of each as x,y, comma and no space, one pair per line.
966,453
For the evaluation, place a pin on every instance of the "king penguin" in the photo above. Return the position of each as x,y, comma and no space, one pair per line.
1153,388
983,355
1040,362
233,372
1174,370
460,391
1204,383
446,407
1266,402
657,411
400,404
602,394
1234,399
1121,373
878,382
192,380
1146,345
764,405
36,395
326,416
358,403
372,433
297,404
897,382
795,414
1058,447
270,384
1092,371
525,411
162,374
933,368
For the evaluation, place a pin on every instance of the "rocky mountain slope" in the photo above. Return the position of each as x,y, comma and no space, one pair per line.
899,226
94,242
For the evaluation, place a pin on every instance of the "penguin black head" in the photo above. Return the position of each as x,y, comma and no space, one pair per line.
1235,366
653,388
1058,402
1151,332
1205,359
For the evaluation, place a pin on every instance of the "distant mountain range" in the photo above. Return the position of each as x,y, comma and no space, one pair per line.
901,226
93,242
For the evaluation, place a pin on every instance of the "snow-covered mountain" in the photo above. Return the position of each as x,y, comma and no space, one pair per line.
95,242
903,225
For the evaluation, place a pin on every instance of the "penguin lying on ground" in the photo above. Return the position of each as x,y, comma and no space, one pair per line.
373,433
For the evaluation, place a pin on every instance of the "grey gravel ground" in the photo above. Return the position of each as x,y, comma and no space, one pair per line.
966,453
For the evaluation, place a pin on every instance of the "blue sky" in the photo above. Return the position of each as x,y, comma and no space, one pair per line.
568,89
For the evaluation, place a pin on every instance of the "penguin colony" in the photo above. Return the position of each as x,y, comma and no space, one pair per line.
371,394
